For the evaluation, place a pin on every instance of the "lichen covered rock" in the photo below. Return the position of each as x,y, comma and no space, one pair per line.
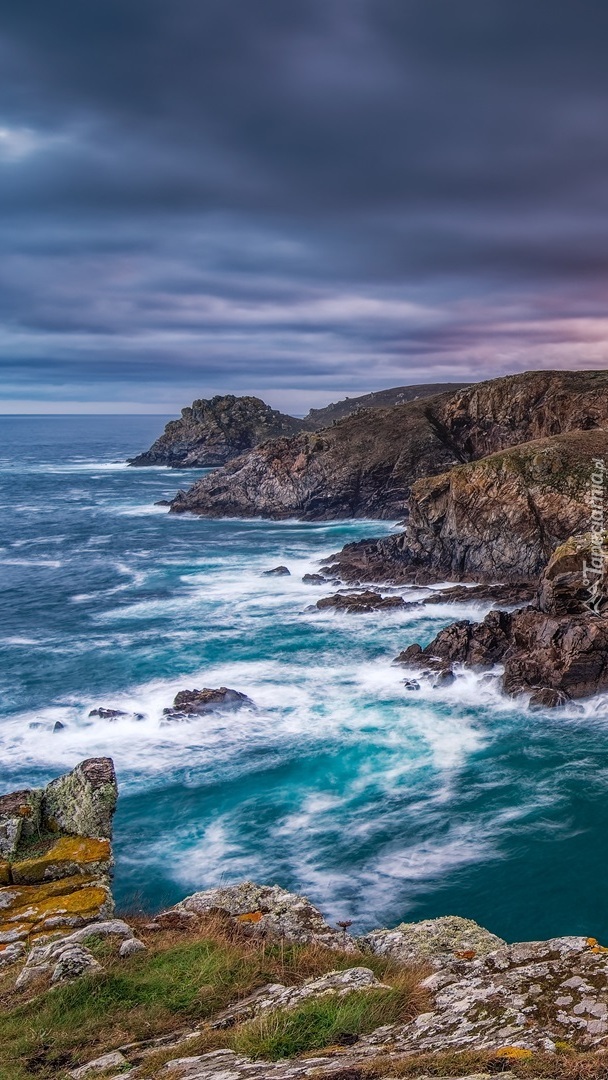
19,818
263,910
28,911
435,941
66,857
276,996
82,803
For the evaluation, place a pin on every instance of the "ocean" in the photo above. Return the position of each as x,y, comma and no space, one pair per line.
379,803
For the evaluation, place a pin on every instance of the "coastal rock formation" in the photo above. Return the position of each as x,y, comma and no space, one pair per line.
55,872
365,465
262,910
362,466
213,431
435,941
189,703
361,602
556,649
497,519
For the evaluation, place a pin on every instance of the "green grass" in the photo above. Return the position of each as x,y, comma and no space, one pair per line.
184,979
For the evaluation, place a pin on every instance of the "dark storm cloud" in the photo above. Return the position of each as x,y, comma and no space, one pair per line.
298,198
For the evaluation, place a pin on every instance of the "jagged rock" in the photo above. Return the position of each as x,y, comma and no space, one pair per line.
276,996
130,947
315,579
434,941
107,714
277,571
82,803
366,464
480,644
378,399
113,1060
66,857
19,818
198,702
361,602
214,431
515,594
263,910
574,581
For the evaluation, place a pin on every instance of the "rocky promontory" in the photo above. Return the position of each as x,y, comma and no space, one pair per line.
554,650
366,464
211,432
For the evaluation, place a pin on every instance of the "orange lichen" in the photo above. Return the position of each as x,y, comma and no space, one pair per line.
592,941
466,954
5,872
66,855
513,1053
250,917
28,908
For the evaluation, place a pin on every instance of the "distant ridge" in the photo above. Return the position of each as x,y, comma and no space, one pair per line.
214,431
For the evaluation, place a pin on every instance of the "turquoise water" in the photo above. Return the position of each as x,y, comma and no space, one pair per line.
378,802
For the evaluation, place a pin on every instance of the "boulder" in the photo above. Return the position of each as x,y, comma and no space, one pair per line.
277,571
60,961
434,941
83,802
189,703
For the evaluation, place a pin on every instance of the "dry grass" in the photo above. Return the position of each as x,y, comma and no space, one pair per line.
187,976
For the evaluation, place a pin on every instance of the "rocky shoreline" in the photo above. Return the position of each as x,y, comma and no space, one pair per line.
479,993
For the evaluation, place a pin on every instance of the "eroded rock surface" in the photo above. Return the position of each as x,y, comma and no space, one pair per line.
434,941
263,910
361,602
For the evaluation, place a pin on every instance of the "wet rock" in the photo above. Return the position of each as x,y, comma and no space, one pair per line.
361,603
83,802
113,1060
277,571
315,579
512,594
198,702
411,684
58,726
480,644
107,714
435,941
262,910
277,996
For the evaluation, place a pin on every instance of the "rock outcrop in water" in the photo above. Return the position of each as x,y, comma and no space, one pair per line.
212,432
366,464
554,650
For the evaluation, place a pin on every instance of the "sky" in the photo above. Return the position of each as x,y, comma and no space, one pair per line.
301,199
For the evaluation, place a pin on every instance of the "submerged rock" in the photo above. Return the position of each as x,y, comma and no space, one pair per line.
361,602
198,702
277,571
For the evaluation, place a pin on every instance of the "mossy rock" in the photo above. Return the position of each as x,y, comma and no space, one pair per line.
68,856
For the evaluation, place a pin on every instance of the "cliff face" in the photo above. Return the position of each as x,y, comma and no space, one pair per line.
212,432
362,466
497,519
365,465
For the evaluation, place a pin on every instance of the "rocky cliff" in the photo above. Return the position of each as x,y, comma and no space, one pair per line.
212,432
362,466
365,465
496,519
